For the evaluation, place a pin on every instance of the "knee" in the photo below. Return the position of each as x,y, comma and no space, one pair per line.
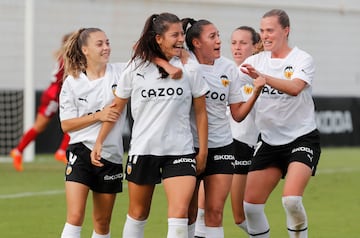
295,212
214,216
102,225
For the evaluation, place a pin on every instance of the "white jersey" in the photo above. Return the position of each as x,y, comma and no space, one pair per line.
225,85
282,118
245,131
81,96
160,109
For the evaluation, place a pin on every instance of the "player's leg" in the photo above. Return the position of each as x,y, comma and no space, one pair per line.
217,187
259,185
200,216
103,204
179,192
76,196
140,197
304,155
237,199
243,156
297,178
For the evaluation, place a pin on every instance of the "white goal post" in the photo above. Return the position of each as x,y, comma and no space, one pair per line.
29,92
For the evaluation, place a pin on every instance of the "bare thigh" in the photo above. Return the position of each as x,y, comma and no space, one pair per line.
260,183
140,197
179,191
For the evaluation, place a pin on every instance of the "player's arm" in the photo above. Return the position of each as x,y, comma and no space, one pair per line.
119,105
292,87
202,130
240,110
174,72
108,113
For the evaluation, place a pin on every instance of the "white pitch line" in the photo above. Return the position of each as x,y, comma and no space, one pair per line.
55,192
336,171
31,194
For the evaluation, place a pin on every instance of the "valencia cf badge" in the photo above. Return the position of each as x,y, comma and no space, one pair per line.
68,170
129,169
288,72
224,80
248,89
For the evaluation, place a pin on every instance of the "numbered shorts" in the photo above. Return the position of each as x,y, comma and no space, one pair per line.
243,157
151,169
106,179
305,149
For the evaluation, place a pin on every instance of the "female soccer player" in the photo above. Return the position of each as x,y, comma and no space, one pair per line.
245,41
85,103
289,146
162,147
222,76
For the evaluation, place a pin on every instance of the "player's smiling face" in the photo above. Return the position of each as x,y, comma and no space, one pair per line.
273,35
208,45
172,41
97,48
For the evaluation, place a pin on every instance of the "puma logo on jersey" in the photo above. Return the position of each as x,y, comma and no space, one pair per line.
83,99
141,75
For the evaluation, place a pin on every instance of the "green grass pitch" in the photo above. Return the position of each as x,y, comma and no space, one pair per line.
33,204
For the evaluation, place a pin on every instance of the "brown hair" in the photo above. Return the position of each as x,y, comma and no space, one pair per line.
282,16
74,59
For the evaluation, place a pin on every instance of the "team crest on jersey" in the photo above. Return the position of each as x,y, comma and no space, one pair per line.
224,80
113,88
288,71
248,89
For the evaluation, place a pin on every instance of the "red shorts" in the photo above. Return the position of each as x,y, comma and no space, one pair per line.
49,103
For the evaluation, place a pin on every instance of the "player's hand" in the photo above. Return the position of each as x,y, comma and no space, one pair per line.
95,155
200,163
249,70
259,83
109,113
174,72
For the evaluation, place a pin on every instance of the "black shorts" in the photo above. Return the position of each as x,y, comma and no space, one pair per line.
150,169
106,179
220,160
243,157
305,149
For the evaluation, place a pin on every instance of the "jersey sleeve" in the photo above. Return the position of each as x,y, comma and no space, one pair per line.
198,85
236,83
67,109
124,85
305,70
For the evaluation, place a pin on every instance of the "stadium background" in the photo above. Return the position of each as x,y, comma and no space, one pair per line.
328,30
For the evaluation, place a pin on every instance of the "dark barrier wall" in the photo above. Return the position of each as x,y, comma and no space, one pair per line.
338,120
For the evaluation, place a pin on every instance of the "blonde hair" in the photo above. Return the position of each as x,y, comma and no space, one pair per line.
74,60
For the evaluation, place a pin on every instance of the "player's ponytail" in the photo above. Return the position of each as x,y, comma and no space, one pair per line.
74,59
